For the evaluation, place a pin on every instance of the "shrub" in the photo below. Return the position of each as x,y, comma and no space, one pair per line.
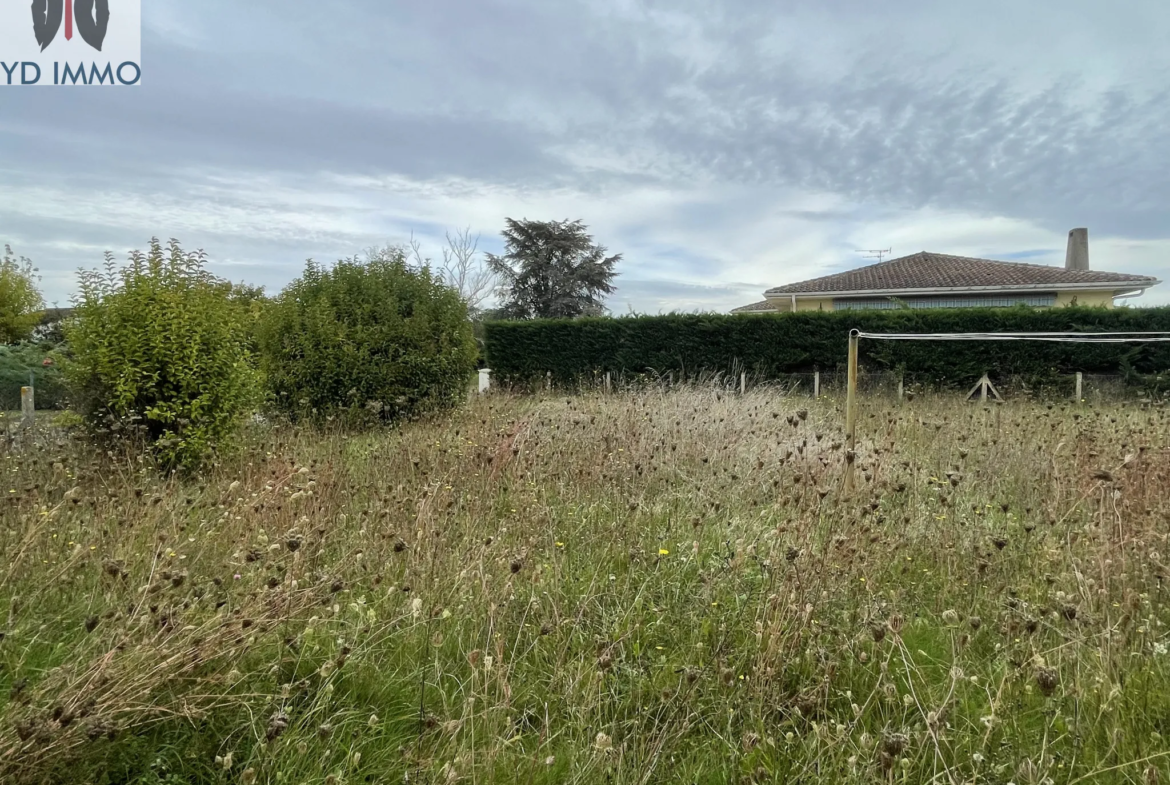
372,339
159,349
769,345
20,300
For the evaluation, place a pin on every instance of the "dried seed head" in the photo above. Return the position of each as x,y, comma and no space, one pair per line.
276,725
894,744
1047,679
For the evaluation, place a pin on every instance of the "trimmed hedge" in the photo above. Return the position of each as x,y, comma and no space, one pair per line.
768,345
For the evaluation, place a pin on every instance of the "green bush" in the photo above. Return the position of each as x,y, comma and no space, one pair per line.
20,299
519,352
368,340
18,362
159,351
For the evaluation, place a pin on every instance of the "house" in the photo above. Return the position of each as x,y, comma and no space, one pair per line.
935,280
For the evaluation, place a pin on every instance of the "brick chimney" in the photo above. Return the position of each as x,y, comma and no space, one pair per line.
1077,255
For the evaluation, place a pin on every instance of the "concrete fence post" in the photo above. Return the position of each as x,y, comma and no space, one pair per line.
485,380
608,382
1080,387
816,384
743,383
27,405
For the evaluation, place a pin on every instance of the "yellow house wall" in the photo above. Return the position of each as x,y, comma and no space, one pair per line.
1101,299
1097,299
784,304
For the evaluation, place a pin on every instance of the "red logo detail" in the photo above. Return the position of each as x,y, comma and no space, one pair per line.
68,20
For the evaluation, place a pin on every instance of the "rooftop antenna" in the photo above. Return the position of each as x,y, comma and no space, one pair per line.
876,254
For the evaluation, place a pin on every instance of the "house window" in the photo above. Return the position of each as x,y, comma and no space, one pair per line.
894,303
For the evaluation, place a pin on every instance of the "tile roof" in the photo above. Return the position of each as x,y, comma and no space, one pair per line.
761,307
942,271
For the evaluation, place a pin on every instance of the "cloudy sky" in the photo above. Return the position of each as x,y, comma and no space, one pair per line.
722,146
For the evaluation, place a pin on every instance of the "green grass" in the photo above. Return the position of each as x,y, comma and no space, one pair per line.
628,589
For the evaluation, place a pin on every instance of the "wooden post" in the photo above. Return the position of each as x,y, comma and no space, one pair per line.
816,384
1080,388
983,387
27,405
851,411
743,383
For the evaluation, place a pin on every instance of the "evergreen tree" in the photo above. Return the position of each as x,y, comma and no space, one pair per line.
552,269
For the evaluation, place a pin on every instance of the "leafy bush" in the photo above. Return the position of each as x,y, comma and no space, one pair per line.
370,340
519,352
18,362
20,300
159,350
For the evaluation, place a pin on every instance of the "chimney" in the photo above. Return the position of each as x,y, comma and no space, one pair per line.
1077,255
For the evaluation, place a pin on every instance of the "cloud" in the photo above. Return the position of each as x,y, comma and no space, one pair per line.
723,148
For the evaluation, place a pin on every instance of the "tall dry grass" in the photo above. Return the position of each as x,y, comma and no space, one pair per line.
639,588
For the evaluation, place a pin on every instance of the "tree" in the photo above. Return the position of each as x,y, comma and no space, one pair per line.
552,269
20,300
368,339
462,268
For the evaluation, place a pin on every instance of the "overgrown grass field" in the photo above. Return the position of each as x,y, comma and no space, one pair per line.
627,589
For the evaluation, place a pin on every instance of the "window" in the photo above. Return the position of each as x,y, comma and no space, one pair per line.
894,303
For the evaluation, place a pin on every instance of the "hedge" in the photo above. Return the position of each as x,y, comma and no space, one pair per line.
769,345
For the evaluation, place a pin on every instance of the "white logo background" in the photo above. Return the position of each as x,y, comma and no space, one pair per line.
18,44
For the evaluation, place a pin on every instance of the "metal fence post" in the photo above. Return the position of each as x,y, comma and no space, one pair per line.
851,411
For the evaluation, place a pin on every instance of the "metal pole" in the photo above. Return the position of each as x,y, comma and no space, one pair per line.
851,411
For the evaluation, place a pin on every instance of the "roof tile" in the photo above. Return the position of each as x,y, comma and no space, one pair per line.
760,307
926,270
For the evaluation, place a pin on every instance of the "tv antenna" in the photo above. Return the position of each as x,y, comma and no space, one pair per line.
876,253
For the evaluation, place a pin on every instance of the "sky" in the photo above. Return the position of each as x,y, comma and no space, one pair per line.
723,147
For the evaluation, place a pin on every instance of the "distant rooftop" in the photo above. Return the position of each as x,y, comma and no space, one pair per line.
933,271
763,306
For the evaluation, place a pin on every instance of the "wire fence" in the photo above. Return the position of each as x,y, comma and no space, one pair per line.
831,384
